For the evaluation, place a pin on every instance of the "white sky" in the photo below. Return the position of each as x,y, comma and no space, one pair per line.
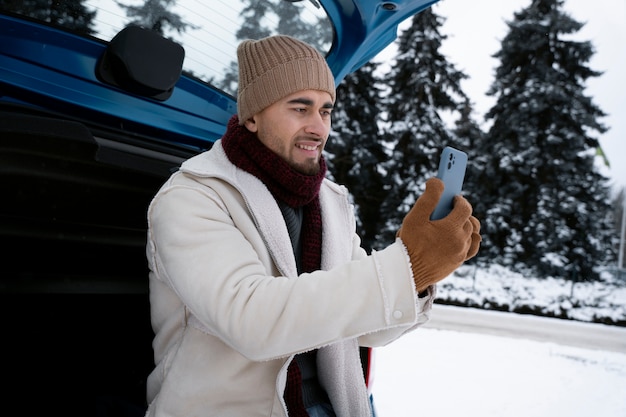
475,29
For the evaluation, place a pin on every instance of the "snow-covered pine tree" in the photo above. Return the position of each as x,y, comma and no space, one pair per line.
618,218
156,15
290,20
72,14
422,85
354,151
253,26
470,137
547,206
262,18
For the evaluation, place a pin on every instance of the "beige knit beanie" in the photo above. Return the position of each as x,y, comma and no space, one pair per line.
275,67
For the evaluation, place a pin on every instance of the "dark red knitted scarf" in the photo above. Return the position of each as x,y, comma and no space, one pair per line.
244,150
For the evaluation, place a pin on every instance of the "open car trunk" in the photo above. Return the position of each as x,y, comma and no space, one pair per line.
74,281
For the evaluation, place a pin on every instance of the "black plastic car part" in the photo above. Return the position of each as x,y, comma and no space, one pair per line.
74,280
142,62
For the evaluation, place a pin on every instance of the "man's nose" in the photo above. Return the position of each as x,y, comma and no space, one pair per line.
316,125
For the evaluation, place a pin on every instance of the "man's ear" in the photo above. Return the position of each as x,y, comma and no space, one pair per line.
251,125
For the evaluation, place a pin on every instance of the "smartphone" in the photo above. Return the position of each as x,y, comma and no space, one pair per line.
452,172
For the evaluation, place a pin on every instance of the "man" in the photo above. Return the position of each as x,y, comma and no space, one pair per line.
260,292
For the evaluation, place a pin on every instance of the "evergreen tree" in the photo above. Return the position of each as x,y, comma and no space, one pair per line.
290,21
470,137
620,227
547,207
70,14
253,14
157,16
262,18
354,151
422,85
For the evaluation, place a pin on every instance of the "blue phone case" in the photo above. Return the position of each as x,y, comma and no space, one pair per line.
452,172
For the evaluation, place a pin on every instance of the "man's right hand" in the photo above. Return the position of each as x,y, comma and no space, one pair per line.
438,247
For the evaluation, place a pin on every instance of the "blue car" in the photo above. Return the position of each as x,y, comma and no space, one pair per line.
100,100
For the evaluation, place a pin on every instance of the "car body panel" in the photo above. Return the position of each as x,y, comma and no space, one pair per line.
54,69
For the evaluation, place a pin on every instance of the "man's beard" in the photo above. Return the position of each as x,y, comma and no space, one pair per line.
308,168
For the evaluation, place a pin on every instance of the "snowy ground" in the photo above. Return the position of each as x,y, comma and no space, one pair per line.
440,373
499,288
443,373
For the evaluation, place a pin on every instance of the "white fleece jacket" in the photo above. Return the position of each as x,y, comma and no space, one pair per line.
229,310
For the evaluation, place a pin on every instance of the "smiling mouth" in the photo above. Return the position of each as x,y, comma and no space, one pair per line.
307,147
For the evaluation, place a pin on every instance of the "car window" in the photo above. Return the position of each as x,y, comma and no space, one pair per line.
208,31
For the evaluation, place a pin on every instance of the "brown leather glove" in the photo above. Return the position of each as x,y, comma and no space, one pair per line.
438,247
